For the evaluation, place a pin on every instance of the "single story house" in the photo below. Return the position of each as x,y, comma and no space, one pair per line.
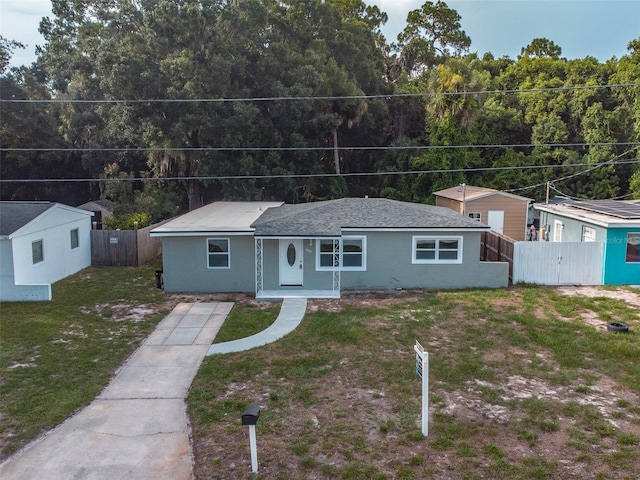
504,212
40,243
318,249
614,223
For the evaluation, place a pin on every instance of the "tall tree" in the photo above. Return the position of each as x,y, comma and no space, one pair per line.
433,33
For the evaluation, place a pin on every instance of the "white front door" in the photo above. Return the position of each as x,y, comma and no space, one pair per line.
291,268
495,219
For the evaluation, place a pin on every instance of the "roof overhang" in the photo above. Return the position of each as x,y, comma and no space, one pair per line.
593,218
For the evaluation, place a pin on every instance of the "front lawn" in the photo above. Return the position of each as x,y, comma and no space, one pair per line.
57,356
526,383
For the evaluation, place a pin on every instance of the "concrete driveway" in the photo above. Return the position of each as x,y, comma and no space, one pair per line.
137,427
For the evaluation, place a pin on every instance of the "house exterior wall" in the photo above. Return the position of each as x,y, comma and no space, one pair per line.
572,230
389,265
184,261
60,260
9,291
515,211
449,203
617,271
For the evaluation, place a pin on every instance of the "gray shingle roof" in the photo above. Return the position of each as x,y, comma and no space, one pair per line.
328,218
15,215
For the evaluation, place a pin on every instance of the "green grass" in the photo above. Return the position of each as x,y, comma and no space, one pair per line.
56,356
339,394
348,378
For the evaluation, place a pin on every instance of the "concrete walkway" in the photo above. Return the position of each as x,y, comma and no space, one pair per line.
137,427
290,316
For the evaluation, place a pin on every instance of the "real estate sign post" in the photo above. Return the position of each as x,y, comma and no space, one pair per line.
422,370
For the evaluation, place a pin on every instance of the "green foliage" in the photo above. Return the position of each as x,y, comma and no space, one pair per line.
129,221
331,53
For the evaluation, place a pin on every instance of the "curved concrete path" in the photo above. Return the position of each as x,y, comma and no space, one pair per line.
290,316
137,428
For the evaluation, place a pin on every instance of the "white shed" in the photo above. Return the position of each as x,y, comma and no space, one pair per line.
40,243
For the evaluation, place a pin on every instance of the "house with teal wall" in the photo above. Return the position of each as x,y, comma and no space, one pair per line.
614,223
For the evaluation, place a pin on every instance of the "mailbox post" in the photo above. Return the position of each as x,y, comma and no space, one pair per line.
250,418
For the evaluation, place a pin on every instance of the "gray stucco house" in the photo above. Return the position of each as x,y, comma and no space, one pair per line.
318,249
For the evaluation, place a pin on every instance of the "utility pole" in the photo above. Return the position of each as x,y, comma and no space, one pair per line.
547,201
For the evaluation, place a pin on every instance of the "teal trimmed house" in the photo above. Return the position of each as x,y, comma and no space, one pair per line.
615,223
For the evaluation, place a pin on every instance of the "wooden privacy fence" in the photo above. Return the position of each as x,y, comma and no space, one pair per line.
558,263
124,248
495,247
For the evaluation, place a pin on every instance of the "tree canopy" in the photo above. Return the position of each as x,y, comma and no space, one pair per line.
198,100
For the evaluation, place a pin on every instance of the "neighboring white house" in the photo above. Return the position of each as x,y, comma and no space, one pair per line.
40,243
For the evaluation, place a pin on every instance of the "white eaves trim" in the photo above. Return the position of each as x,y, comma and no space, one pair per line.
593,218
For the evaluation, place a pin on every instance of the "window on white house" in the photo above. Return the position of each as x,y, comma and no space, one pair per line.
477,216
588,234
218,254
37,251
633,247
437,250
352,253
75,238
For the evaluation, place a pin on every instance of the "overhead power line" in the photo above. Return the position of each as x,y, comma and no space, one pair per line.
309,149
306,175
593,167
315,98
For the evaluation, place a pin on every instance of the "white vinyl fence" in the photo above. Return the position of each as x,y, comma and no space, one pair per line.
558,263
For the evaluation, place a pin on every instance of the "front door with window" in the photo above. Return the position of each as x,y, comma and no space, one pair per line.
291,267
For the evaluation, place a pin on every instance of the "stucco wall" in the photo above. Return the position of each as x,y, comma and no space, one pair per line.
389,266
185,265
617,271
9,291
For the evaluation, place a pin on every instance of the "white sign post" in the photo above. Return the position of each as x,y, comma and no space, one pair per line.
422,370
254,448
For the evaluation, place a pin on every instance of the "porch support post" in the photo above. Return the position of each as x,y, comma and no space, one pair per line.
259,267
336,267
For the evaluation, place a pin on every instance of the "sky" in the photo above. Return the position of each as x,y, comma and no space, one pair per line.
597,28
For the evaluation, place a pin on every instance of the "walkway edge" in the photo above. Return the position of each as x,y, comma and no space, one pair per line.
290,316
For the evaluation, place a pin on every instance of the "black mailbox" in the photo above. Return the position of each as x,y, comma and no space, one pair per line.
251,415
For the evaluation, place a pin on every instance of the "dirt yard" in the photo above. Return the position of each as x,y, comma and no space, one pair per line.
486,408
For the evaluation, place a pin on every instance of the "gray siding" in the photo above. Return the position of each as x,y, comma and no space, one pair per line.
185,265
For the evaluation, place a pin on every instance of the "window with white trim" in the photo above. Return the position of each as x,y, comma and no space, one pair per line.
218,253
588,234
37,251
75,238
477,216
352,253
437,250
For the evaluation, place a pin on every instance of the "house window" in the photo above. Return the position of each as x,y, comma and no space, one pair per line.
477,216
633,247
588,234
557,230
37,251
75,238
437,250
218,253
352,253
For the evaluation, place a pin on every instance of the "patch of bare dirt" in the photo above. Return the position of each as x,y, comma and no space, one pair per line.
343,412
626,295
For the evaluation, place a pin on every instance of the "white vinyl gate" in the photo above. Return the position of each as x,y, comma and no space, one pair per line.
558,263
